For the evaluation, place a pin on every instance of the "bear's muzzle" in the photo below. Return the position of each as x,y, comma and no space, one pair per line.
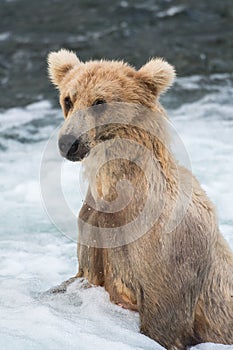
73,148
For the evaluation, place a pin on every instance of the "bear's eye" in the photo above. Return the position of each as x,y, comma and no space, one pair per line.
68,103
99,101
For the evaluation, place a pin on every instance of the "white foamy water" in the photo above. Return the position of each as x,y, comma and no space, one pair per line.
36,256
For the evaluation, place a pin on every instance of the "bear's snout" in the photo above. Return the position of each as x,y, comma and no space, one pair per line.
72,148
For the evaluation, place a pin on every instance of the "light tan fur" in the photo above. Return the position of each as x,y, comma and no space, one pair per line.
180,281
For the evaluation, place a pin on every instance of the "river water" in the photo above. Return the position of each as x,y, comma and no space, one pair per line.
34,253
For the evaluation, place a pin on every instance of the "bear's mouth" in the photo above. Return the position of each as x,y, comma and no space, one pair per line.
82,152
78,157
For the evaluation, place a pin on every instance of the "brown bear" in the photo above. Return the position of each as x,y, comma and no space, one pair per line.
176,271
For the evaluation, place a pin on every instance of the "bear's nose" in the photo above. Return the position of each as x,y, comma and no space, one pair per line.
68,145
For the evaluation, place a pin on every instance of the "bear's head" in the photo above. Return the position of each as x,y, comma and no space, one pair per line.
89,88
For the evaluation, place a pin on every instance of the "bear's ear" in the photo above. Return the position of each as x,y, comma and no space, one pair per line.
59,63
158,75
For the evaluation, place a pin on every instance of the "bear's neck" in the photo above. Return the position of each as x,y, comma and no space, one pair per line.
130,170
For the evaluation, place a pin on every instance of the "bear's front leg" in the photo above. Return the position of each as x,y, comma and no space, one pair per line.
91,264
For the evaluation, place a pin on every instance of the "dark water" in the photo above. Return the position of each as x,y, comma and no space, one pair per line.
194,35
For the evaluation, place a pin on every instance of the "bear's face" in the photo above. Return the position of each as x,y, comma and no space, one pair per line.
100,84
